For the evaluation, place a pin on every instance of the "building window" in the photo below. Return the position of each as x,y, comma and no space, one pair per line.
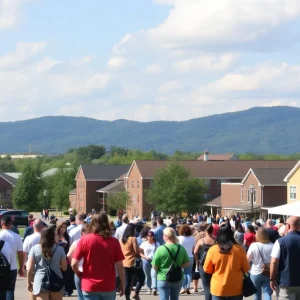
249,196
293,193
80,197
151,183
207,183
132,184
133,199
138,198
207,197
242,195
138,184
219,182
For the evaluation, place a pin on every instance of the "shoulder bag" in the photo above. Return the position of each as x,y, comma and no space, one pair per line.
249,288
265,269
174,273
51,281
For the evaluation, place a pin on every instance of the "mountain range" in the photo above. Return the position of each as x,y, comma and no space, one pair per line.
258,130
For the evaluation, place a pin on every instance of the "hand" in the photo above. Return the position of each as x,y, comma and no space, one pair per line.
273,285
147,258
122,289
30,287
21,272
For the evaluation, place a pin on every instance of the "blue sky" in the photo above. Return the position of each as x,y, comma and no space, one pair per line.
147,59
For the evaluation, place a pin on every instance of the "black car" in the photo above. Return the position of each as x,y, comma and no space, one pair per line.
19,217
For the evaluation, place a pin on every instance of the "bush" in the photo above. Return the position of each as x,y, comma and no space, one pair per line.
65,213
74,212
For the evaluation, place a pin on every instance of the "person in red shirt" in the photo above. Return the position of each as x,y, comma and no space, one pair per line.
216,228
249,237
100,253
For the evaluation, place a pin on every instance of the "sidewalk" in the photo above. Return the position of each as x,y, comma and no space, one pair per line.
21,293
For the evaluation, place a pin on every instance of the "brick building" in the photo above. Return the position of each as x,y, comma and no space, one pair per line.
7,184
89,179
214,173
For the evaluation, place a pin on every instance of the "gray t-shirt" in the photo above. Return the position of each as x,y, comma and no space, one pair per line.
40,265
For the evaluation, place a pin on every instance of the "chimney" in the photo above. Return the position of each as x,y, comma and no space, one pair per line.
206,153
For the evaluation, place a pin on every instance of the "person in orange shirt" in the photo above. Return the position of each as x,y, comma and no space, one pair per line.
226,261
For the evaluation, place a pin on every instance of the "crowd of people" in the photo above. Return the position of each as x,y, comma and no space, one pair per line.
98,257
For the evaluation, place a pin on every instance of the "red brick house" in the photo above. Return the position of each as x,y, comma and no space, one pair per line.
89,179
7,184
264,186
215,174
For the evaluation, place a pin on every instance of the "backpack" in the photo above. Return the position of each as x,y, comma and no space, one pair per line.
5,282
174,273
51,281
203,253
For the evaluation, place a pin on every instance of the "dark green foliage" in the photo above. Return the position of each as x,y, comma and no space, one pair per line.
7,165
174,190
257,130
118,200
26,195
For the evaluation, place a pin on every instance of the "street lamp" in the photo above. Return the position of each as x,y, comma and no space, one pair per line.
45,197
252,189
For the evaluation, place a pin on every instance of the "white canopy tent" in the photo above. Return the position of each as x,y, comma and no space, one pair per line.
292,209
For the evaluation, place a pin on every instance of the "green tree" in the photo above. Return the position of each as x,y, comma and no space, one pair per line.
174,190
118,200
26,193
7,164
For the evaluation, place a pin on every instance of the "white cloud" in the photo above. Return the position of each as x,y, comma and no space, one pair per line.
117,62
10,11
206,62
221,22
153,69
82,61
171,86
46,64
24,51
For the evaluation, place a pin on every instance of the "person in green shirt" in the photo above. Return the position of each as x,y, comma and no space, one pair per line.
162,261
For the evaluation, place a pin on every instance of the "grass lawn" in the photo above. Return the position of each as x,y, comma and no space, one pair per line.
21,231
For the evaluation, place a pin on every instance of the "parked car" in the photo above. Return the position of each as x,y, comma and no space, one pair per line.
19,217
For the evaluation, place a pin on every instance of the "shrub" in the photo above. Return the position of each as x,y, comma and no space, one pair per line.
65,213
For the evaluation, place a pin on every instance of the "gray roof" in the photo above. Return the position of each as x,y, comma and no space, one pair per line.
9,179
104,172
115,187
73,192
214,203
271,177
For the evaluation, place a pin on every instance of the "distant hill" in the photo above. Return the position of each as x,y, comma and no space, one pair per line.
259,130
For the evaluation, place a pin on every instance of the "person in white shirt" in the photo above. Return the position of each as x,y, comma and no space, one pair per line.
259,254
15,242
187,240
148,249
120,231
72,225
34,238
75,233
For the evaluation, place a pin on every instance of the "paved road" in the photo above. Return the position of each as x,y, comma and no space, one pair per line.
21,293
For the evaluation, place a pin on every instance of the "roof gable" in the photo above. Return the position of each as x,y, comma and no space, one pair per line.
269,177
231,169
102,172
9,179
292,172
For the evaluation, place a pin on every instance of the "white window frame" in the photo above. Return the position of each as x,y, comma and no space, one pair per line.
242,195
249,195
293,195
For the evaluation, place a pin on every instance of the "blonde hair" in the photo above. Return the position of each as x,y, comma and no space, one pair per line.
170,233
262,235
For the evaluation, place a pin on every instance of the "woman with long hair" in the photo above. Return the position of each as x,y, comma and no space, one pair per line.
187,240
259,254
98,276
41,255
148,249
64,241
131,252
249,237
226,261
84,231
200,253
163,260
239,234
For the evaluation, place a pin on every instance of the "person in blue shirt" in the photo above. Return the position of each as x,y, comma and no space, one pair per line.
118,222
158,231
